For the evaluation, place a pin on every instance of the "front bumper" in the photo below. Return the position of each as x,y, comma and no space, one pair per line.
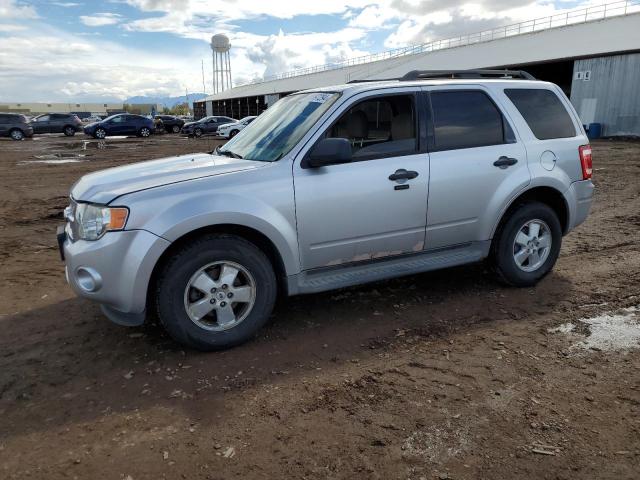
580,198
113,271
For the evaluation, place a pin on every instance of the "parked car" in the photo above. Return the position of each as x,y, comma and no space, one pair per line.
230,130
91,119
121,124
205,126
171,123
331,188
15,125
67,123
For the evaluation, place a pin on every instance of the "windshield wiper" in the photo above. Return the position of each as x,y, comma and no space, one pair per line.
228,153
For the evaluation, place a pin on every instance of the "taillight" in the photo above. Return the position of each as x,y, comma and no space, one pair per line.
586,161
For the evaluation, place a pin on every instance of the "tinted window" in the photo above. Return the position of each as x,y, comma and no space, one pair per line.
544,113
4,118
466,119
379,127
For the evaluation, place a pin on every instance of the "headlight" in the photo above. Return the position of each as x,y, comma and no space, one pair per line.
93,221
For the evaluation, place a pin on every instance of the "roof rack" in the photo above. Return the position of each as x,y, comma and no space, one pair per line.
435,74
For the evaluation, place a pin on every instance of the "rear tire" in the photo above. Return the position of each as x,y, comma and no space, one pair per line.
527,245
69,131
176,293
175,129
100,133
144,132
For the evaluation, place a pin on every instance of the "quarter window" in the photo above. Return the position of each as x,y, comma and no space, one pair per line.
467,119
543,111
379,127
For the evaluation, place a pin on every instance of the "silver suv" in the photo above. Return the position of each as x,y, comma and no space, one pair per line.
331,188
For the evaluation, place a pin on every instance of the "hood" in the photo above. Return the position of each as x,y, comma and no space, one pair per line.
92,124
190,124
106,185
226,125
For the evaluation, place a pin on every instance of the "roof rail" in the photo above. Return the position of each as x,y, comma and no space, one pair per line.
434,74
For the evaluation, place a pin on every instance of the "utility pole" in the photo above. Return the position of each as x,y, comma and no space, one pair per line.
204,89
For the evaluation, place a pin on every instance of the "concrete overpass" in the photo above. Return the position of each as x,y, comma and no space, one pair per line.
546,47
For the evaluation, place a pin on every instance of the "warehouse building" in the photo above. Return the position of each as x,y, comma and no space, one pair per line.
593,54
81,109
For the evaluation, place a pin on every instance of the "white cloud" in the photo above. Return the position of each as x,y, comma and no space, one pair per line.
13,9
100,19
66,4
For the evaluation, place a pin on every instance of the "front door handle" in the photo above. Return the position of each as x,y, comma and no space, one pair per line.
402,174
505,162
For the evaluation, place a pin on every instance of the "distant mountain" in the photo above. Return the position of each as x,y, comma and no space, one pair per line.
168,102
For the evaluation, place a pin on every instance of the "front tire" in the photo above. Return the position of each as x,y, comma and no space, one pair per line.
527,245
16,134
233,133
144,132
197,132
215,292
175,129
100,133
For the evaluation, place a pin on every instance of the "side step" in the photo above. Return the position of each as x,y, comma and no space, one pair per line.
321,280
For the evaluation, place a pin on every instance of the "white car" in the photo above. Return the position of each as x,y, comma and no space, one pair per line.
230,130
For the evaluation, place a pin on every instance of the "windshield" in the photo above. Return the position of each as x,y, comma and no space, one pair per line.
274,133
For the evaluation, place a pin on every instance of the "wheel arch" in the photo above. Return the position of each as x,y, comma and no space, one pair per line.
250,234
544,194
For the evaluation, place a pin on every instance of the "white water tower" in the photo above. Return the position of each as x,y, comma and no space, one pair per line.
220,47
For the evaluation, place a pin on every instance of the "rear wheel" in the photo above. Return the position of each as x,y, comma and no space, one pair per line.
175,129
100,133
16,134
144,132
215,292
527,245
69,131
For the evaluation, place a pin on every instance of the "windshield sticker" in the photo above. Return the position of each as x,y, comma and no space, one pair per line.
320,97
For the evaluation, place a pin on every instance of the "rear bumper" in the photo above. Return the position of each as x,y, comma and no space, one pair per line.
114,271
579,198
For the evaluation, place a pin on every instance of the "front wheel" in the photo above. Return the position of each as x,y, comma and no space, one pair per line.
17,134
175,129
233,133
215,292
100,133
527,245
144,132
197,132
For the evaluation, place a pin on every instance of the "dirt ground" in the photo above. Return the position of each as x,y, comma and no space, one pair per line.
441,375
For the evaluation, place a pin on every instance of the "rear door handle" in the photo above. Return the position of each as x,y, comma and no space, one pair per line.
505,162
402,174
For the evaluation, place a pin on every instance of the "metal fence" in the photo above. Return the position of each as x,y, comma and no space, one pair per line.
573,17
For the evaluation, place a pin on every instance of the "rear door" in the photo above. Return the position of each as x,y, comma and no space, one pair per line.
477,164
41,124
4,124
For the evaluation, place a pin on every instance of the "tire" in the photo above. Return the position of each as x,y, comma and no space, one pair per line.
144,132
233,133
510,248
175,129
100,133
197,132
69,131
16,134
174,293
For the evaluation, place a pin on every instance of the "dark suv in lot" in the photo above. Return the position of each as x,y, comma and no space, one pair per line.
206,125
15,126
170,123
66,123
121,124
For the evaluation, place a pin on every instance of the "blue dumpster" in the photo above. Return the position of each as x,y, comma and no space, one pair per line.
594,131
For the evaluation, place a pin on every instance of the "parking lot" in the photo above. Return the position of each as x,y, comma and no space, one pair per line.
441,375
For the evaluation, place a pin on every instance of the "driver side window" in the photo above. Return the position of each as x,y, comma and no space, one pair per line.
379,127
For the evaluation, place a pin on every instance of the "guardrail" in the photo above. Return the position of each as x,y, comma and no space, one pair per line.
572,17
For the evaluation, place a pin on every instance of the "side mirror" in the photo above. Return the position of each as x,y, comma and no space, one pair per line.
329,151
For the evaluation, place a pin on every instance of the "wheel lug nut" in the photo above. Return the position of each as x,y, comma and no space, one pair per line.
223,304
224,287
213,290
229,295
212,301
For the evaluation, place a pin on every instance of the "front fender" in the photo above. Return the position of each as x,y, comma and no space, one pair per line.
189,211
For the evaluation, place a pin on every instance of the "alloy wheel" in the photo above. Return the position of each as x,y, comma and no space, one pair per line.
532,245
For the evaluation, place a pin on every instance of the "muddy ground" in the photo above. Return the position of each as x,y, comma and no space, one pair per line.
441,375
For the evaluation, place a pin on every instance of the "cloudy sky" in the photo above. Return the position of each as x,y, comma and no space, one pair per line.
82,50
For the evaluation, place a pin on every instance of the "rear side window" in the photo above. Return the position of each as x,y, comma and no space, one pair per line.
543,111
467,119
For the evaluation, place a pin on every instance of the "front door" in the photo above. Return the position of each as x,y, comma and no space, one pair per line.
375,206
42,124
477,163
